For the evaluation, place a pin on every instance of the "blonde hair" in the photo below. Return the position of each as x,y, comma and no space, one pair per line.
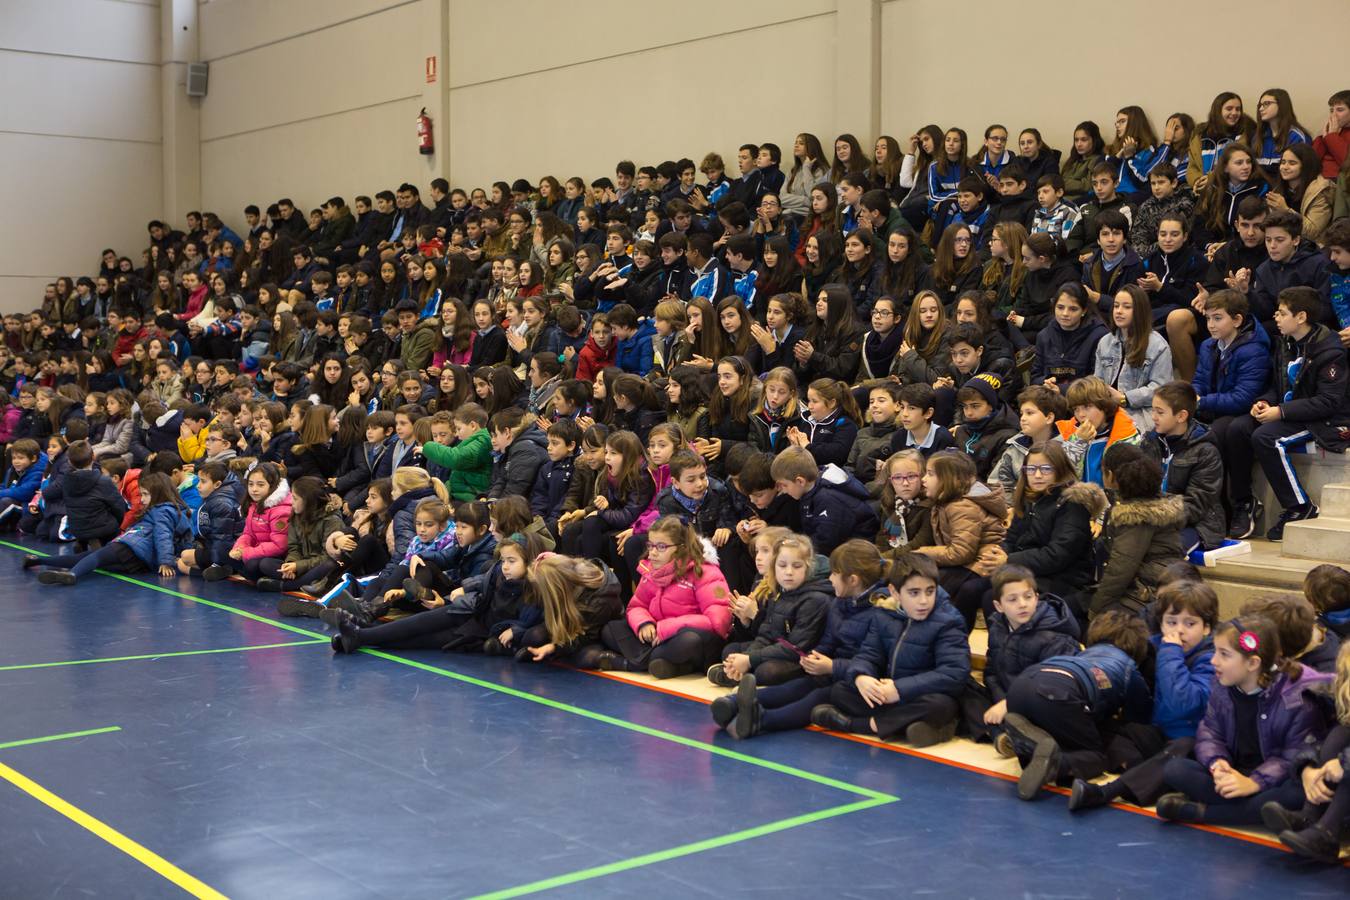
555,580
765,587
798,543
1341,686
408,478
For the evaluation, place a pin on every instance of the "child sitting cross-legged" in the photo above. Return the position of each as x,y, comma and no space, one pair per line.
769,637
913,663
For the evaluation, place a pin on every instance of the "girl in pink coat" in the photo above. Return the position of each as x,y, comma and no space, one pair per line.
267,516
678,618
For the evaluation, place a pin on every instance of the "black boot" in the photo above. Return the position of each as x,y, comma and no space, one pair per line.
348,638
269,585
724,709
921,734
415,592
56,576
1043,767
1177,807
1086,795
831,717
216,573
32,561
1313,842
1277,818
748,711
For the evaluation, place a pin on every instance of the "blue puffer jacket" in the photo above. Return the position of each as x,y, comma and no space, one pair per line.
930,656
19,487
1110,680
1181,686
635,353
846,622
1230,386
219,522
836,508
464,562
1052,631
160,535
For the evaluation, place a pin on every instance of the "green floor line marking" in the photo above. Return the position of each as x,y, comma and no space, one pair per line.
640,729
525,695
684,850
110,659
60,737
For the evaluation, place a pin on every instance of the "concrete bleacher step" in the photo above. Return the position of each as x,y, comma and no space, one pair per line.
1335,501
1317,470
1264,572
1325,538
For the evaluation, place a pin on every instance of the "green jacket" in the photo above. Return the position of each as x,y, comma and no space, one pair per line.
469,462
420,345
304,546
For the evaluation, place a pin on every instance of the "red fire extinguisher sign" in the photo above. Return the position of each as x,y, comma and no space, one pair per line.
431,70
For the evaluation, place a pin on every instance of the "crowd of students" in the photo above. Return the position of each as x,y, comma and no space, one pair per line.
794,431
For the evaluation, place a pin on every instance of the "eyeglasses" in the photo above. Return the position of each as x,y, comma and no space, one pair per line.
1038,470
659,546
961,240
1266,103
905,479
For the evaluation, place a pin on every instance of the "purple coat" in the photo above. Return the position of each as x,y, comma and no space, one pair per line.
1287,721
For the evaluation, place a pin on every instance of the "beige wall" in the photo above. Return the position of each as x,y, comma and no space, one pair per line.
79,139
1071,77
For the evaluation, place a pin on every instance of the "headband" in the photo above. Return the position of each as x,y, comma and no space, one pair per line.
1247,640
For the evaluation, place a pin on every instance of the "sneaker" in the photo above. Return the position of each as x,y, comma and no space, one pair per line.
348,638
746,723
663,668
1003,745
56,576
216,573
333,617
1180,808
1313,842
830,717
295,607
414,592
1043,767
1086,795
1243,522
717,674
921,734
1278,818
1298,513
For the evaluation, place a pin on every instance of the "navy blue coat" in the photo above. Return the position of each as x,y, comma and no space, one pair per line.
515,472
550,488
1067,355
713,513
219,522
796,616
1230,386
401,514
462,562
931,656
360,468
831,440
93,505
1052,631
836,509
159,535
846,622
1179,273
1110,681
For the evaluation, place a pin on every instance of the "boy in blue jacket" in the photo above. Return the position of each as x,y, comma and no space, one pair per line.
1058,707
911,668
555,476
1233,368
835,506
1187,612
218,522
22,478
633,352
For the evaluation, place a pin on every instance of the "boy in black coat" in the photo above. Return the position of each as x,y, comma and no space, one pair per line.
94,507
1191,463
1306,402
835,506
988,422
693,497
555,476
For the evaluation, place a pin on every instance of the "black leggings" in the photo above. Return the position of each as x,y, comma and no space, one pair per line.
252,569
270,567
689,649
1191,778
368,557
431,629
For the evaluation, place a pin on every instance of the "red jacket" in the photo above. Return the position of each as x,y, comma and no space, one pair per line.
686,601
131,492
592,359
1331,149
125,342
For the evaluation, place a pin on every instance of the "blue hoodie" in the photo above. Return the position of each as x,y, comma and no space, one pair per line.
634,354
19,487
1181,686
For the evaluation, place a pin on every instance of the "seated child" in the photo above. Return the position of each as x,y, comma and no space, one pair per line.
218,523
512,515
1257,722
1059,707
1295,621
26,465
470,459
370,461
678,618
578,598
873,443
986,422
94,508
1142,534
1026,628
1233,365
1039,408
1191,465
267,514
306,565
917,405
1327,588
151,543
1187,612
906,514
695,498
549,492
1098,423
769,637
835,506
912,666
968,518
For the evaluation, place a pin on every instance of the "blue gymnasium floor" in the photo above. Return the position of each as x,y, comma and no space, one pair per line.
282,772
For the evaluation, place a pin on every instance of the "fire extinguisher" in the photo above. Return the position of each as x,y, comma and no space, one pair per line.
426,144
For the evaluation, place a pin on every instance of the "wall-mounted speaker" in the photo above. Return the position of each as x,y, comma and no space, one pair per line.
196,79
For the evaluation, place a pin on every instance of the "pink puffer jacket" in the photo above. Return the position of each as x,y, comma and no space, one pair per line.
685,601
265,529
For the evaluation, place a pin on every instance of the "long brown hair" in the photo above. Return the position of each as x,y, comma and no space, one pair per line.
688,545
1141,325
955,474
737,407
1212,208
946,270
463,333
1216,129
927,347
1138,127
555,581
1013,236
627,445
1285,120
710,343
739,344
